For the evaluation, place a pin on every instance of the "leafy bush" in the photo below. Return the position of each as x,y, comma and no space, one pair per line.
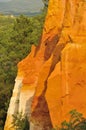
20,122
76,122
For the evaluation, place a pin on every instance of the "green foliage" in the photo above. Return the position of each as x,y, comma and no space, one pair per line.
27,30
20,122
76,122
5,93
16,37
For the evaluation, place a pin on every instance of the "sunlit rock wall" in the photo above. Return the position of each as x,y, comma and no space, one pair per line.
54,73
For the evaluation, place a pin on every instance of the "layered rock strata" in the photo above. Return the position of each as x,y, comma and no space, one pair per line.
54,73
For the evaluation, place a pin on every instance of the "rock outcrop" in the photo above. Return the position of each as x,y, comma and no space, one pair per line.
51,80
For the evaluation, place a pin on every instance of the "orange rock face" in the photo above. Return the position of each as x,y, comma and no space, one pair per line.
55,72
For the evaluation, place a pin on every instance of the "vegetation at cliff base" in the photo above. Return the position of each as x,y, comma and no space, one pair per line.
76,122
20,122
17,34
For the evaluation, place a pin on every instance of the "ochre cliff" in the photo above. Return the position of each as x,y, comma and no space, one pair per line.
51,80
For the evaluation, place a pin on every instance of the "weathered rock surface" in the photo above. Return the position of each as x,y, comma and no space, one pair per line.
54,73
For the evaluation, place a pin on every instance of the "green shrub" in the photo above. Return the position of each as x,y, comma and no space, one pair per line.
76,122
20,122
